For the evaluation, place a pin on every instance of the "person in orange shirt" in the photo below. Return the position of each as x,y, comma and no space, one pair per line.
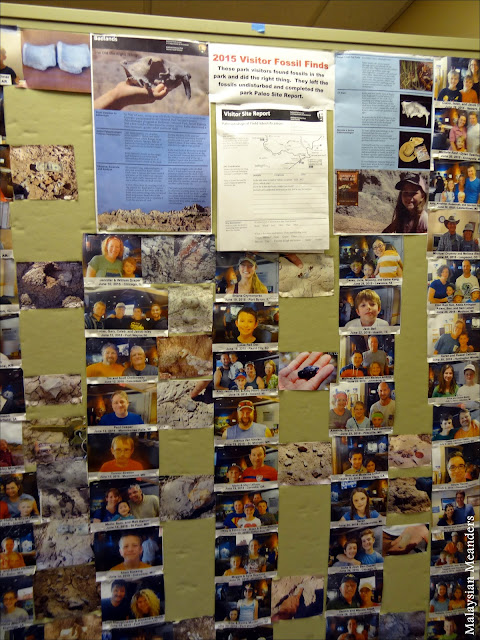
130,548
469,428
108,368
468,92
122,450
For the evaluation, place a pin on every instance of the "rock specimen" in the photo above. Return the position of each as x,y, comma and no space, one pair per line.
86,627
40,183
195,258
50,285
405,497
60,504
65,590
176,409
314,278
408,451
190,309
63,545
195,629
186,497
185,356
408,626
157,259
63,474
53,389
304,463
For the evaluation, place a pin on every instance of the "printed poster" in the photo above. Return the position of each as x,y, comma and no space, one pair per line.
249,74
272,179
151,134
383,111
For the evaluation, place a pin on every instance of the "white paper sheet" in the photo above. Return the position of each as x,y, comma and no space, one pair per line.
272,179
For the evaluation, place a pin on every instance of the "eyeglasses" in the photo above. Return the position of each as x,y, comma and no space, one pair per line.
456,467
248,589
378,246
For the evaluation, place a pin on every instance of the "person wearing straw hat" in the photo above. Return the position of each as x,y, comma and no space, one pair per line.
468,243
410,214
450,241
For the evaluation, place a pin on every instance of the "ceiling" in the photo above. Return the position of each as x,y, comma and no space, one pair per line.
364,15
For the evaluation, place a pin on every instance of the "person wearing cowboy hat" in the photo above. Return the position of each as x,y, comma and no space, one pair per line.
246,427
410,214
450,241
468,243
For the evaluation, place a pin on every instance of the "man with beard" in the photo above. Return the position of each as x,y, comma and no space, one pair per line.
246,427
108,367
156,322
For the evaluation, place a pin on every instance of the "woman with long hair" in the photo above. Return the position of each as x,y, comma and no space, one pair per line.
474,71
270,378
249,281
448,516
410,214
145,604
447,385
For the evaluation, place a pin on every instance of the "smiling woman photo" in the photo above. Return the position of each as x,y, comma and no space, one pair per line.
249,281
109,264
447,385
410,215
145,604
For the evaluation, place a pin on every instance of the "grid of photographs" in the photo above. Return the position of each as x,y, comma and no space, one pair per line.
453,325
82,499
246,429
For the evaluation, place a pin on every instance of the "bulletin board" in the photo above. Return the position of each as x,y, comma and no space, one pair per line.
53,340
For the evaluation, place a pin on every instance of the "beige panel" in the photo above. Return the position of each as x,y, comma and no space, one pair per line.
366,15
430,17
129,6
285,12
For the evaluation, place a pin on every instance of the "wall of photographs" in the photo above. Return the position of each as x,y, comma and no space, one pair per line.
141,435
